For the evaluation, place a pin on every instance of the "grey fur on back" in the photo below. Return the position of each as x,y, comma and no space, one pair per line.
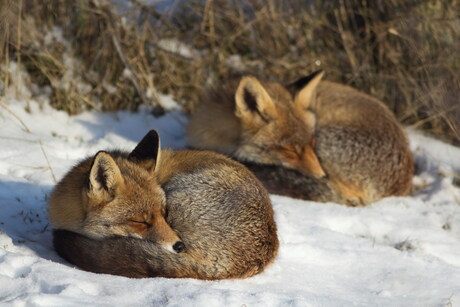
231,215
360,141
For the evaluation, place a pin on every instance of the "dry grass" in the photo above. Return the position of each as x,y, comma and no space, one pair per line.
403,52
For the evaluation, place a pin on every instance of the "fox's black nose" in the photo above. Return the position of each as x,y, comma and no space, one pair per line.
179,247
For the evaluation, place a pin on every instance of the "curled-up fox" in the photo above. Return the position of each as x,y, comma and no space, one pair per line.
311,139
164,213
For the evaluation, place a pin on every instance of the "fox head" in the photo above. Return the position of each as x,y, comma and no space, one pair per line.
277,127
123,198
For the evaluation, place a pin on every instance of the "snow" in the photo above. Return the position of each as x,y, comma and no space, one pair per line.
177,47
400,251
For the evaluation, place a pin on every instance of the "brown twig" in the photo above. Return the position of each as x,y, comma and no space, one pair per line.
47,161
15,116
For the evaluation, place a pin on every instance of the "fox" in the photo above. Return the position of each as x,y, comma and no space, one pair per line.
312,139
162,213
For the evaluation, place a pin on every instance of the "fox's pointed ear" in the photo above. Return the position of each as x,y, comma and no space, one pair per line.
253,104
104,178
304,89
147,152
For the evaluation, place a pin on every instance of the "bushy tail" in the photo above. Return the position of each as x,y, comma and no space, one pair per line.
283,181
123,256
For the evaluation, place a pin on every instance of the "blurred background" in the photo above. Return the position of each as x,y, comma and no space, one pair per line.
120,54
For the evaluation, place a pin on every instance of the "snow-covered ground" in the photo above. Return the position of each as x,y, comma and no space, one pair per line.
400,251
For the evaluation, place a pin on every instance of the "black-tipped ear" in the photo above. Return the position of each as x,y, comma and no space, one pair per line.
296,86
305,90
147,151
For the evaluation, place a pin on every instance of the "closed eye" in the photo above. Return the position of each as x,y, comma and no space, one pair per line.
288,149
141,222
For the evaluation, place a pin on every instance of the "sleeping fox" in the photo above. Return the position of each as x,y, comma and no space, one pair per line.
166,213
312,139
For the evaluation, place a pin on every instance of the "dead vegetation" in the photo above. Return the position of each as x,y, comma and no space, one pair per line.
91,54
